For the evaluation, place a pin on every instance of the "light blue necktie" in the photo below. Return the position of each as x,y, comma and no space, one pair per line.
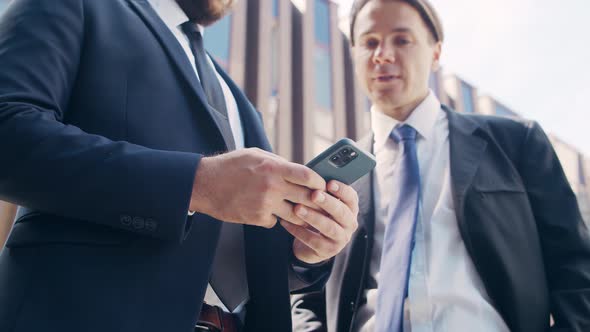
399,237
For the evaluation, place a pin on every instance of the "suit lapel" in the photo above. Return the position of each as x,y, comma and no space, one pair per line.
364,188
466,153
357,256
179,59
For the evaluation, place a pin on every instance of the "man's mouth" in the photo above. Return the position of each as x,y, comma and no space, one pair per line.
386,78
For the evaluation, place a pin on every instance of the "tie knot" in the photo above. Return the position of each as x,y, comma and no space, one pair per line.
190,29
403,133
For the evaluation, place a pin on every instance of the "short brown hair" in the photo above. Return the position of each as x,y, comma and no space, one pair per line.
424,8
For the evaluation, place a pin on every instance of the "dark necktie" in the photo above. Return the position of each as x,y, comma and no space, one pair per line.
207,74
398,240
228,276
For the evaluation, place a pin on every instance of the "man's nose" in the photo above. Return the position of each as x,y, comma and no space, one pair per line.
384,54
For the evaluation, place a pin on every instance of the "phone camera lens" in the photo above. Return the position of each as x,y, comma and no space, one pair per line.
345,151
335,158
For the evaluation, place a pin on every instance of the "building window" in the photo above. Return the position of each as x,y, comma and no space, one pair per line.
271,120
275,8
323,56
503,111
467,94
217,41
3,5
275,47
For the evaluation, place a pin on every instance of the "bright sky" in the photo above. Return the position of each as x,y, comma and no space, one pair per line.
531,55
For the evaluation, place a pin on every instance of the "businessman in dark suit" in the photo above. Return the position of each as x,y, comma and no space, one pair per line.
467,223
115,120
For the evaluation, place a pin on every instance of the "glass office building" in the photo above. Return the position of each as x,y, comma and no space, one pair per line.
3,5
323,68
460,95
467,95
502,110
217,40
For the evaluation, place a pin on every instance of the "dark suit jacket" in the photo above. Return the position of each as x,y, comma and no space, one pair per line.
519,220
103,124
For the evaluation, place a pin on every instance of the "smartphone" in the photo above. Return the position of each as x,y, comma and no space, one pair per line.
344,161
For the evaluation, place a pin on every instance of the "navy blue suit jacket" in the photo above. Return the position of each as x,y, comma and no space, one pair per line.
103,124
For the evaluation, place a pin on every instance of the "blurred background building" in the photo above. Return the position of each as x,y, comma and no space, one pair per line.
292,59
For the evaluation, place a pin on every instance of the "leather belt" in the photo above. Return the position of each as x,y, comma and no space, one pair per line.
214,319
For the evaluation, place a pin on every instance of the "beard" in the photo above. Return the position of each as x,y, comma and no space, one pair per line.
205,12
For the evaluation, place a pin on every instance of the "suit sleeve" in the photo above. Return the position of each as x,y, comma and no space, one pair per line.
309,312
58,168
305,277
564,236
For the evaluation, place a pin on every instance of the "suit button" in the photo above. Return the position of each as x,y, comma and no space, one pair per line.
352,306
138,223
126,220
150,224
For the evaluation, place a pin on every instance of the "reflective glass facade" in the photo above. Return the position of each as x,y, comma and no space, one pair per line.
275,8
324,121
217,41
467,94
322,55
272,120
503,111
3,5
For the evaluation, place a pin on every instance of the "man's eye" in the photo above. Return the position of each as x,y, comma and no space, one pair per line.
371,43
402,41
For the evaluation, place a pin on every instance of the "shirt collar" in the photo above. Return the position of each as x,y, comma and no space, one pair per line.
422,118
171,13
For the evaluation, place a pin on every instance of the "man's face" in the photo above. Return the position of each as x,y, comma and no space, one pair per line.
205,12
393,55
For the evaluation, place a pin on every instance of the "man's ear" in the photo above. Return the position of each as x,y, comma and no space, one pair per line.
436,57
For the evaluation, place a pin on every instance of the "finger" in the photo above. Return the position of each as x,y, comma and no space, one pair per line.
345,193
285,211
299,195
322,246
324,225
302,175
298,233
305,253
267,222
336,209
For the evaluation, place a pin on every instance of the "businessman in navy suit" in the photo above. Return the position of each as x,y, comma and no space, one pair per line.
467,223
143,181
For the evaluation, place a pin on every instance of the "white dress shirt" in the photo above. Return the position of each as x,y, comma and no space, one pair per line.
173,16
445,292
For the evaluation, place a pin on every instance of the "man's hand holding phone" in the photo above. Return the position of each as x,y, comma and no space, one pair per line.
332,225
254,187
329,229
